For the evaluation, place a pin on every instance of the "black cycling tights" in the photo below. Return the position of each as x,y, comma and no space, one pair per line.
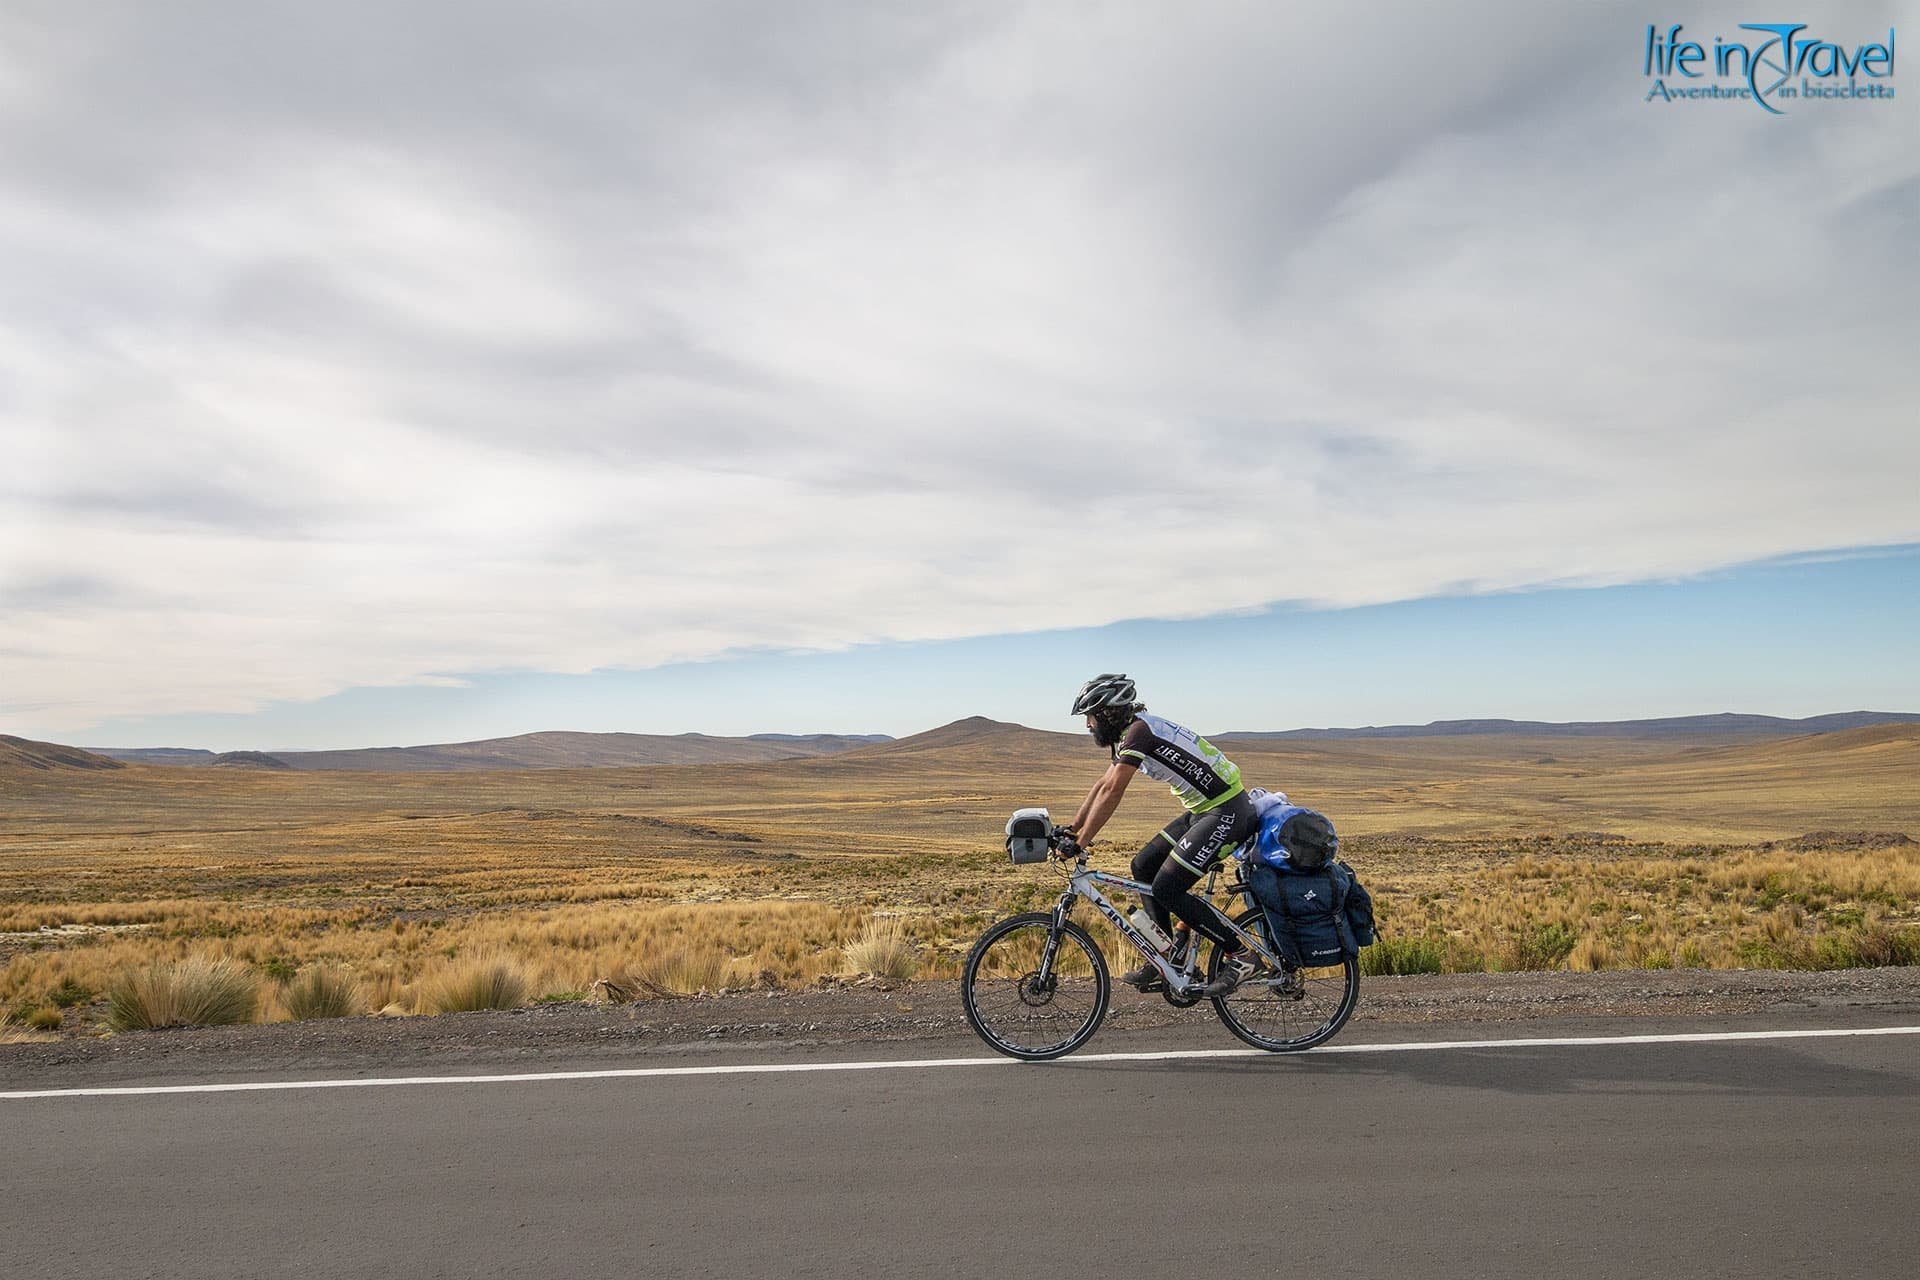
1174,861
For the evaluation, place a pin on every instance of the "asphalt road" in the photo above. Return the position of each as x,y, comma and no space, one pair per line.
1791,1157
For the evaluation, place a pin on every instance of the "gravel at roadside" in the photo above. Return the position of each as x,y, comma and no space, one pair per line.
858,1014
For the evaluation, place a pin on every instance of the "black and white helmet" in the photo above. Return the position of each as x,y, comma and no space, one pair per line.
1105,694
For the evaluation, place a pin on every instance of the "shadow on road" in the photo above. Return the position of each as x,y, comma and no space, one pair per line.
1752,1070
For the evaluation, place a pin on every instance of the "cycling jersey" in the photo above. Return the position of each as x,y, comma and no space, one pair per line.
1190,765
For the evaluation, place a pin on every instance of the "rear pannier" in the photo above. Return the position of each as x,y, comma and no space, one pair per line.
1360,912
1306,912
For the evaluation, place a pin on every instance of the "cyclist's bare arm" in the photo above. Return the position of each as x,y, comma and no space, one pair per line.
1102,801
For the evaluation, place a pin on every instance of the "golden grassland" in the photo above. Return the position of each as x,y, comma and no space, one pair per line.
1483,852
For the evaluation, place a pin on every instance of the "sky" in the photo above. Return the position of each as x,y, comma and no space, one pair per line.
382,374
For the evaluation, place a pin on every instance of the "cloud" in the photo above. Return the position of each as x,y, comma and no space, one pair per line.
350,346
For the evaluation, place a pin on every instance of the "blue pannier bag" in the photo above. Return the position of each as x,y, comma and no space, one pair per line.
1307,912
1293,838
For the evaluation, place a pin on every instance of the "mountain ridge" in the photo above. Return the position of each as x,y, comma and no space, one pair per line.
568,749
1720,723
26,753
549,749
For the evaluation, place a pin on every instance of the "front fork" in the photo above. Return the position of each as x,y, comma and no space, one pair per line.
1061,910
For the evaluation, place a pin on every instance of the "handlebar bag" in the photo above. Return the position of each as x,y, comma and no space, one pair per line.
1028,831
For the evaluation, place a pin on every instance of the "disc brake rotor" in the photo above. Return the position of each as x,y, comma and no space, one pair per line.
1036,993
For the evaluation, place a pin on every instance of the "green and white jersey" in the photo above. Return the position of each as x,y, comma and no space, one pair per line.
1181,758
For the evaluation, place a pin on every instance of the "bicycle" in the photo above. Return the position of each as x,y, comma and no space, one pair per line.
1036,986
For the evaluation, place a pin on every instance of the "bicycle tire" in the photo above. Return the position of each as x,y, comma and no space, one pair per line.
1319,1005
1008,1010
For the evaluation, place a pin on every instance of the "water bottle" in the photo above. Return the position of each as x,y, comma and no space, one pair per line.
1154,933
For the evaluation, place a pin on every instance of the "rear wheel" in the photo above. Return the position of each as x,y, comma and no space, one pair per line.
1014,1009
1284,1013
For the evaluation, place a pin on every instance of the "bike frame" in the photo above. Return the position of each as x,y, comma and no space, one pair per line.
1084,882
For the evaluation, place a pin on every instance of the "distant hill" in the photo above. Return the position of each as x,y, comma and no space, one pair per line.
566,750
555,750
247,760
1867,742
156,755
24,753
1727,724
973,731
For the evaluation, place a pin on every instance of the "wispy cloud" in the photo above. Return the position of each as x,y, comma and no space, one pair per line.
348,345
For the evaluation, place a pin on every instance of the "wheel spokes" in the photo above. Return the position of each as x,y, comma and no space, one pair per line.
1019,1009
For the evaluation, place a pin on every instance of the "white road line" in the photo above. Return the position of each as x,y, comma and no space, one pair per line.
928,1064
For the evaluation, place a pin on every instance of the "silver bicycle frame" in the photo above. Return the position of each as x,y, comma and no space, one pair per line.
1084,882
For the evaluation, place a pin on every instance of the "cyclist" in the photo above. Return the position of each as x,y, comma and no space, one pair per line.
1218,817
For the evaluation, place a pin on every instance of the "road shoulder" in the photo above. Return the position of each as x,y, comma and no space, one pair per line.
922,1020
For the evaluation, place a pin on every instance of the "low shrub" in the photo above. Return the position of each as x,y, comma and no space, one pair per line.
486,982
1871,947
70,993
323,991
279,969
189,993
1543,946
1391,956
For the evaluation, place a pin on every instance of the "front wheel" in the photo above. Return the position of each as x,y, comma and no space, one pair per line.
1285,1013
1016,1010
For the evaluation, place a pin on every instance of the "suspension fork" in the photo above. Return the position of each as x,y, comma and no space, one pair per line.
1061,910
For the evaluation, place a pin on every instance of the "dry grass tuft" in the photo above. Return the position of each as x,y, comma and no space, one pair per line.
323,991
196,992
487,982
12,1032
668,970
882,949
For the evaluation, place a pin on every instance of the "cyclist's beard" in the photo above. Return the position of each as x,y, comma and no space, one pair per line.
1106,732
